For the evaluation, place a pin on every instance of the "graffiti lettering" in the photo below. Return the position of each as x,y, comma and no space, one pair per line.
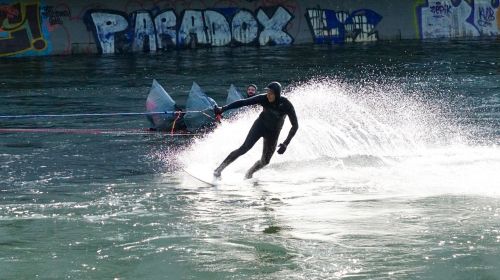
486,16
192,28
144,32
55,17
440,10
8,12
106,26
244,27
141,31
166,33
273,27
457,18
218,30
328,26
22,31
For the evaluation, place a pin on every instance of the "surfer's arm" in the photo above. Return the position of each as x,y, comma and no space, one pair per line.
295,124
244,102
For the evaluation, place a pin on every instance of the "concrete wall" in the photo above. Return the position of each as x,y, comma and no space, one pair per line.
54,27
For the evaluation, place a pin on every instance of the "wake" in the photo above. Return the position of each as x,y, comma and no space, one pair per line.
378,139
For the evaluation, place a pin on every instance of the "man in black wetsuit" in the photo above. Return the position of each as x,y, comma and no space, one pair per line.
268,125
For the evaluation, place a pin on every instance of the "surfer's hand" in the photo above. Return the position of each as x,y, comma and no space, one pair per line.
217,110
282,148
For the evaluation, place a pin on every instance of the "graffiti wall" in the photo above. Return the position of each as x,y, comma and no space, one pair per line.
49,27
458,18
329,26
151,30
22,30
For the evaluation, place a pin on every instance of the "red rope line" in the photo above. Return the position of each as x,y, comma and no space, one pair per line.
178,116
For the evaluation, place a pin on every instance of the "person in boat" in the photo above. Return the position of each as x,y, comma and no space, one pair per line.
268,126
176,122
251,90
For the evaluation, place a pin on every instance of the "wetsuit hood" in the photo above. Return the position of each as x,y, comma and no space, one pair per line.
275,87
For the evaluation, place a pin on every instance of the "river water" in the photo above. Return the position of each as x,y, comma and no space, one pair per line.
393,174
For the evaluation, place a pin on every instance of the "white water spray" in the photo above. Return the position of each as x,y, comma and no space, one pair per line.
382,141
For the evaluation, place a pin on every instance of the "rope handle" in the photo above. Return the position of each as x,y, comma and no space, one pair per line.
178,115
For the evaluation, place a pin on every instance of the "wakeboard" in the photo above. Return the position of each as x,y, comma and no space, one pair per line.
206,178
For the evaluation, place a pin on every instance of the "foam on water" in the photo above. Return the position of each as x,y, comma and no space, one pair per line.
374,139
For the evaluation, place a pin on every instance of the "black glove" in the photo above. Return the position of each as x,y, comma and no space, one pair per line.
217,110
282,148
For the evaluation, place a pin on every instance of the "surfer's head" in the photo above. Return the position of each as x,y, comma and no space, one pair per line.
251,90
273,91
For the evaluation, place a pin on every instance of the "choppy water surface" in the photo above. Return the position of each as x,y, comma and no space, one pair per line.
394,173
